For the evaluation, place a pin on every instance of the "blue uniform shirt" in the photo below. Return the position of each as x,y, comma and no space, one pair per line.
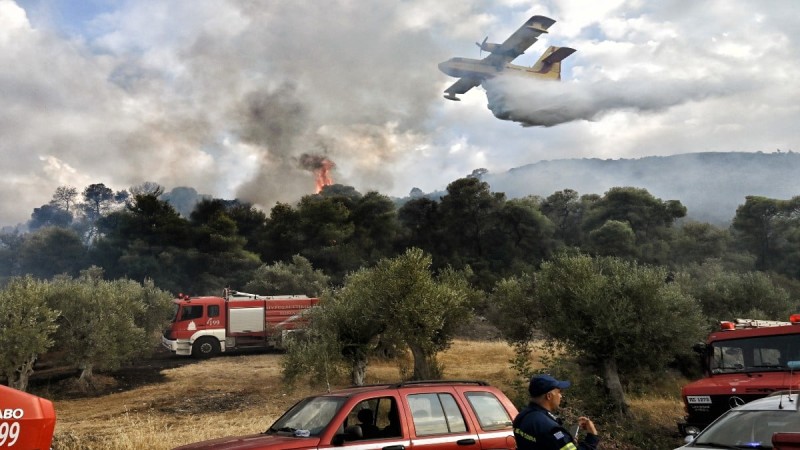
536,428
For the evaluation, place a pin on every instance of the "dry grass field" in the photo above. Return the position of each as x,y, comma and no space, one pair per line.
243,394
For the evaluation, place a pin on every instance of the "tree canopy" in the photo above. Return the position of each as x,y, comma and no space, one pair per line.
411,264
398,301
617,316
27,325
103,324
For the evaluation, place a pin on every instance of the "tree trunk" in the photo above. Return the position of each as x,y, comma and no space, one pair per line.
18,379
85,379
614,386
422,363
359,371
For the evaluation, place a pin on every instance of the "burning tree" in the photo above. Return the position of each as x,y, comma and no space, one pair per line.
321,167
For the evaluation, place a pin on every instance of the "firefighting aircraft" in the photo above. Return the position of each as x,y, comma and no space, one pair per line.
473,72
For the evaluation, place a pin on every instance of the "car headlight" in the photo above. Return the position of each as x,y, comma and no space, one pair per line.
691,433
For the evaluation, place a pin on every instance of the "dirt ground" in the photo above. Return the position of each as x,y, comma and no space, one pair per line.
169,401
59,383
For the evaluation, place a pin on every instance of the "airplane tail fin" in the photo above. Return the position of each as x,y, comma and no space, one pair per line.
549,64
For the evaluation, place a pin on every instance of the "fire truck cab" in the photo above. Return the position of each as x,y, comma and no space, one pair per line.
744,360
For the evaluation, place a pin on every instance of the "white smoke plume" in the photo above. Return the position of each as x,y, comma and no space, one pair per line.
545,103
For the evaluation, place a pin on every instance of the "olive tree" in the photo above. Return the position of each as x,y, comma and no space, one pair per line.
514,310
26,328
619,316
344,330
422,311
104,324
399,301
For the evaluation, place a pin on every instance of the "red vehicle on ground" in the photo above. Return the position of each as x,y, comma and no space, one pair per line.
26,421
785,441
745,360
441,415
205,326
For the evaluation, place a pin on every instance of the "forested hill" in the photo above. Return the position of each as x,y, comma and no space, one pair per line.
710,185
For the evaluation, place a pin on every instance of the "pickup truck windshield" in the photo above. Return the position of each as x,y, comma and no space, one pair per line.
754,354
309,417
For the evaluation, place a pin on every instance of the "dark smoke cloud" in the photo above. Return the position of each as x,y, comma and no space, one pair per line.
273,119
533,102
315,80
226,95
274,122
314,162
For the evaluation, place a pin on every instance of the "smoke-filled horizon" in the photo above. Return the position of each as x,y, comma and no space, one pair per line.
227,96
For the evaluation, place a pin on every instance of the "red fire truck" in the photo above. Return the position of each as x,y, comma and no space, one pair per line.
205,326
744,360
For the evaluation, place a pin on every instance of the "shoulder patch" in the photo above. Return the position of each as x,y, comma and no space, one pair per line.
559,435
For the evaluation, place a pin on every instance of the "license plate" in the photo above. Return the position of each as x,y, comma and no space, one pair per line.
698,399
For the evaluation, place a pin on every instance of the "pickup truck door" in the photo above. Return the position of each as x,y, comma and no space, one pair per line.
386,428
437,422
494,419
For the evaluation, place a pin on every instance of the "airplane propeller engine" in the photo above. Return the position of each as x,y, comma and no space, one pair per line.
480,46
487,46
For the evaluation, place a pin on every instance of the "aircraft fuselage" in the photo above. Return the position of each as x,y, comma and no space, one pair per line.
475,68
473,72
468,67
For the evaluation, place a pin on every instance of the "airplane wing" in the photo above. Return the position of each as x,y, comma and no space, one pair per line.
517,43
461,86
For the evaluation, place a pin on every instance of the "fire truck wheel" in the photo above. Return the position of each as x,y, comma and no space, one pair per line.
205,347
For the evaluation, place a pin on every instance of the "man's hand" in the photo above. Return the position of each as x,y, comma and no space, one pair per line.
586,424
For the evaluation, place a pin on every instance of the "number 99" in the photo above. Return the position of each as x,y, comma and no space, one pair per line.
9,432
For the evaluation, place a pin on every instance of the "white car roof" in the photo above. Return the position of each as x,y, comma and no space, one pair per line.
775,401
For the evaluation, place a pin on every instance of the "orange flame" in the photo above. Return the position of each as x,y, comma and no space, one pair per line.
321,167
323,176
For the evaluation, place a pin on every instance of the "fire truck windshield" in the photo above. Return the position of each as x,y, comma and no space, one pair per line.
754,354
190,312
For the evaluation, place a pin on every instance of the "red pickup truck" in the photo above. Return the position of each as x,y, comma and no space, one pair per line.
421,414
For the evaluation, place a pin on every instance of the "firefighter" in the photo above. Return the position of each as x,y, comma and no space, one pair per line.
537,428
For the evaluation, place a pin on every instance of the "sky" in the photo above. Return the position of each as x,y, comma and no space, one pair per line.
226,96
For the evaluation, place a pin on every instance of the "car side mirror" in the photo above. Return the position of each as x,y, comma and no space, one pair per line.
699,348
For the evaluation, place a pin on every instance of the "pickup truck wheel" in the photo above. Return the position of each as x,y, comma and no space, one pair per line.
205,347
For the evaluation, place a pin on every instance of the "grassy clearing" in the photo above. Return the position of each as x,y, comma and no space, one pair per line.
244,394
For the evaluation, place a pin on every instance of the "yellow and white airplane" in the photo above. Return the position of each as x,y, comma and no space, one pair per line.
473,72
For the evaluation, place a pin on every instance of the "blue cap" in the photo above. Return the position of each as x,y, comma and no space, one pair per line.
542,384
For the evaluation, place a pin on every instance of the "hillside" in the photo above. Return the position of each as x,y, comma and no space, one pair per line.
710,185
